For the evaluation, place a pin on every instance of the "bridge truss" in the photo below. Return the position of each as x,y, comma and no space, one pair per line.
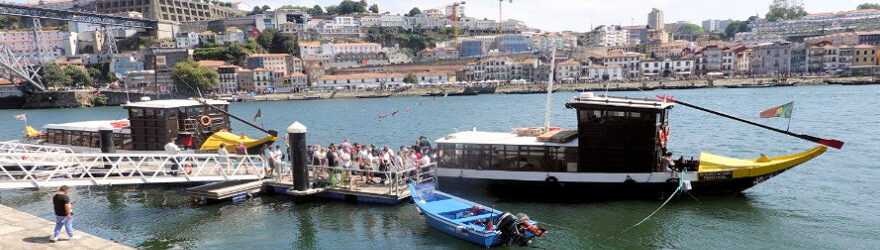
26,69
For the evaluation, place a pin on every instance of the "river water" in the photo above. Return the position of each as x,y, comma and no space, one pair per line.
829,202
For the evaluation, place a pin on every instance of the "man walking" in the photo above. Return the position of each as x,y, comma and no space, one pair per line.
172,150
63,214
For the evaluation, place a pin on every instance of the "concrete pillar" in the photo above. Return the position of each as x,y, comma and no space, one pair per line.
299,162
106,138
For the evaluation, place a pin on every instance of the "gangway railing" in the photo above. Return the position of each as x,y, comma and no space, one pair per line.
30,170
392,182
18,147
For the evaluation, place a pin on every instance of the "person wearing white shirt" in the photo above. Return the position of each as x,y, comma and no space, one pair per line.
172,150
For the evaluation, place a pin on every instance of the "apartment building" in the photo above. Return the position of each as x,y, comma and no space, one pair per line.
629,62
606,73
274,62
169,10
567,71
488,69
771,59
607,36
53,43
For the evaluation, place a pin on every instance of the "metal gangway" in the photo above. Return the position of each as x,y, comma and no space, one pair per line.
18,147
28,167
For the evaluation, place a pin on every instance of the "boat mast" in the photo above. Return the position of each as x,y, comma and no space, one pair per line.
550,89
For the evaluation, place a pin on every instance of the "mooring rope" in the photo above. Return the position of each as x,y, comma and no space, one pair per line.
680,186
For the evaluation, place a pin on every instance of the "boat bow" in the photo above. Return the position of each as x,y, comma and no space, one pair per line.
715,167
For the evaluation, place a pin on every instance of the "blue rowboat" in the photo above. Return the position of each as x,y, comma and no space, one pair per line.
470,221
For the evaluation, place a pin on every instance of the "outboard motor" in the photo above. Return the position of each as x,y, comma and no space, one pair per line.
513,229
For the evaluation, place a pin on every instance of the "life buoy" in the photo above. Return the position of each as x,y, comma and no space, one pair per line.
666,133
205,120
661,137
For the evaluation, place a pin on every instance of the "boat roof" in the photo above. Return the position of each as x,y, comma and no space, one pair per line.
89,126
499,138
587,98
172,103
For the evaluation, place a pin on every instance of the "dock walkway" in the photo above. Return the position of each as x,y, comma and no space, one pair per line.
19,230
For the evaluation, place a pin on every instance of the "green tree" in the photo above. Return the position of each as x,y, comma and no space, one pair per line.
253,47
255,11
266,37
265,8
347,7
189,76
54,76
316,11
94,73
277,42
781,10
389,36
868,6
78,76
144,42
689,29
9,22
374,8
737,27
332,10
409,52
414,11
410,78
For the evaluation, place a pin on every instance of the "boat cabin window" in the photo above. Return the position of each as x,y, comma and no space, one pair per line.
136,113
604,116
506,157
85,138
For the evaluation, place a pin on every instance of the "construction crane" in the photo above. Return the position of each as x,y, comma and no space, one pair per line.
454,17
500,18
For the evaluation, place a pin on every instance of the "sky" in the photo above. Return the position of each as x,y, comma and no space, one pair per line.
580,15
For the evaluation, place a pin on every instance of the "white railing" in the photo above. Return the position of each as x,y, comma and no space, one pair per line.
29,170
386,182
18,147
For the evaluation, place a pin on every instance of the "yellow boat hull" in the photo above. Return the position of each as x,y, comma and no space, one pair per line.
231,141
715,167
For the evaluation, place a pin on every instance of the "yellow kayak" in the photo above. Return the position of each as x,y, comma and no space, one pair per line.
232,140
716,167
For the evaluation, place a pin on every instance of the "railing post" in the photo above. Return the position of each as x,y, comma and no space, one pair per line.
298,156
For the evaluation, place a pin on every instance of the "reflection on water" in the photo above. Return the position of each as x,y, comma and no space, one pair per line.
829,202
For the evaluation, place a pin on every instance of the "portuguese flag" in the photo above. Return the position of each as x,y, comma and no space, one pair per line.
783,111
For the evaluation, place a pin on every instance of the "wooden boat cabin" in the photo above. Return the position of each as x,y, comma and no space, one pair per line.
85,134
620,134
154,123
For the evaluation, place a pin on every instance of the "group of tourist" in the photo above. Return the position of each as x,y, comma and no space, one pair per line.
365,161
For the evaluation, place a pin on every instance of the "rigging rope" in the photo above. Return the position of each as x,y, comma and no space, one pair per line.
680,186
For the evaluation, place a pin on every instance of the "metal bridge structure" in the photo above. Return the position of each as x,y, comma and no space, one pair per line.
16,68
35,166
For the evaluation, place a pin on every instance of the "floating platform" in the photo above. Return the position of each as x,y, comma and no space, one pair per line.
226,189
372,193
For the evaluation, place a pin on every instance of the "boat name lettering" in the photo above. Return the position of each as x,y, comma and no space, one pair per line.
720,175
